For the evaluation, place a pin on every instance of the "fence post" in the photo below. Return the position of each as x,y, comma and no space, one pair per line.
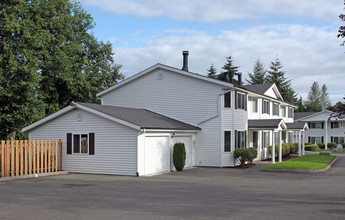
34,156
30,157
12,158
42,159
22,151
3,152
8,148
26,157
38,156
60,155
45,156
49,156
56,154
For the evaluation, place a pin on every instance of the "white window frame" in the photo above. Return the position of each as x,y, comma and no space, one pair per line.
290,112
227,151
229,99
80,144
283,108
275,109
265,145
241,101
255,104
315,125
266,109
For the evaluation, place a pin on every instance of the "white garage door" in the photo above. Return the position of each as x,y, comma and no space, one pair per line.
157,155
188,145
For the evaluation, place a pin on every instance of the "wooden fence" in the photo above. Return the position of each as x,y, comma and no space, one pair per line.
30,157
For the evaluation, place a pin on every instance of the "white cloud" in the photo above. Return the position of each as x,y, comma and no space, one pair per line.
307,53
221,10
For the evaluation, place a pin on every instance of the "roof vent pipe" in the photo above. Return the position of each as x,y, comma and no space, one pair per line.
185,60
239,75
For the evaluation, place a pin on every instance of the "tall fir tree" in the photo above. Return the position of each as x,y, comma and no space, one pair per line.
313,103
229,71
258,75
324,98
212,72
277,76
300,105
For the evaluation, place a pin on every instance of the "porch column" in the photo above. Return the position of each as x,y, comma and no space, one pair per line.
303,142
280,146
326,136
299,144
273,148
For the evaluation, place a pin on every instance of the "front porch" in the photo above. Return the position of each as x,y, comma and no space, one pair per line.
272,132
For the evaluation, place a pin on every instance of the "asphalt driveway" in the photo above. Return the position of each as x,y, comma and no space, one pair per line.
200,193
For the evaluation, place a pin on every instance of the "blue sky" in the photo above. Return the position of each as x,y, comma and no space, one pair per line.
301,33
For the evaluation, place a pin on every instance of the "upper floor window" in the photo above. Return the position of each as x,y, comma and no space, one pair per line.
241,101
315,125
290,113
255,105
265,107
227,100
283,111
227,141
275,109
336,124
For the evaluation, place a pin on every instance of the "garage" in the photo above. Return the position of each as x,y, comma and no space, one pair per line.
157,154
187,140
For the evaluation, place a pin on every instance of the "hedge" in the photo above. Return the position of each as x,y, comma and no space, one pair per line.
179,156
287,149
321,145
343,144
331,145
242,155
311,147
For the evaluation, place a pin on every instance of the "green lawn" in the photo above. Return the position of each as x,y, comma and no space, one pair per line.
306,162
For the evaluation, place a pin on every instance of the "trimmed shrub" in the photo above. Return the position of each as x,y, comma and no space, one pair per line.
179,156
253,154
311,147
331,145
294,149
307,143
343,144
242,155
321,145
287,147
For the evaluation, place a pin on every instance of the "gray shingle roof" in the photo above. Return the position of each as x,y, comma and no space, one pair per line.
259,88
295,125
299,115
141,117
264,123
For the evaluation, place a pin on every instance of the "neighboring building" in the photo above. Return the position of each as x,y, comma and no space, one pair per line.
211,117
322,127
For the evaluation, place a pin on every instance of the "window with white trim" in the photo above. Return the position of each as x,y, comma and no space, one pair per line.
275,109
315,125
265,107
227,100
283,111
338,140
80,143
227,141
336,124
240,139
290,112
315,140
255,105
241,101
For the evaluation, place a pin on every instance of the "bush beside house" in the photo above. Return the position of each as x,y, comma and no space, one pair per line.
311,147
331,145
242,155
179,156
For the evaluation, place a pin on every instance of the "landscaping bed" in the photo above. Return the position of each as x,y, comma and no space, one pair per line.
306,162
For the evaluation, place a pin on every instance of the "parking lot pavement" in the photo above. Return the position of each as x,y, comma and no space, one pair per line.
199,193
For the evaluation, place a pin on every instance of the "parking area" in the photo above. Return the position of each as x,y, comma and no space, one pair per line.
199,193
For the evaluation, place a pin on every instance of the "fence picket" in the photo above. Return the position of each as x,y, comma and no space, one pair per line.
34,156
30,157
3,159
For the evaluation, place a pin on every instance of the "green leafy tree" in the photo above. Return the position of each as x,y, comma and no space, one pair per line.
277,76
313,103
48,57
229,71
212,72
258,75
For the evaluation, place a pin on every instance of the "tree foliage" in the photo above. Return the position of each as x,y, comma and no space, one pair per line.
212,72
229,71
47,59
317,99
341,31
258,75
277,76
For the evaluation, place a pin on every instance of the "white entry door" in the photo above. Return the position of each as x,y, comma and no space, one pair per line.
189,148
157,155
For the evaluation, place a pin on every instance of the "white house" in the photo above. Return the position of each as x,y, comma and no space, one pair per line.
134,129
322,127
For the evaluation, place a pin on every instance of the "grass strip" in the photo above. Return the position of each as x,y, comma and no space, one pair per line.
305,162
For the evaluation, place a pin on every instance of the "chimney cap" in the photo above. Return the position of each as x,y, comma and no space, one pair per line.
185,52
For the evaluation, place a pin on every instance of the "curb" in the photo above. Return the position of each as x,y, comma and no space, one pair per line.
303,171
4,179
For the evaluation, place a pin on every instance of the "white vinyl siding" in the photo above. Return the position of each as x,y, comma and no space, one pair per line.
179,97
115,144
